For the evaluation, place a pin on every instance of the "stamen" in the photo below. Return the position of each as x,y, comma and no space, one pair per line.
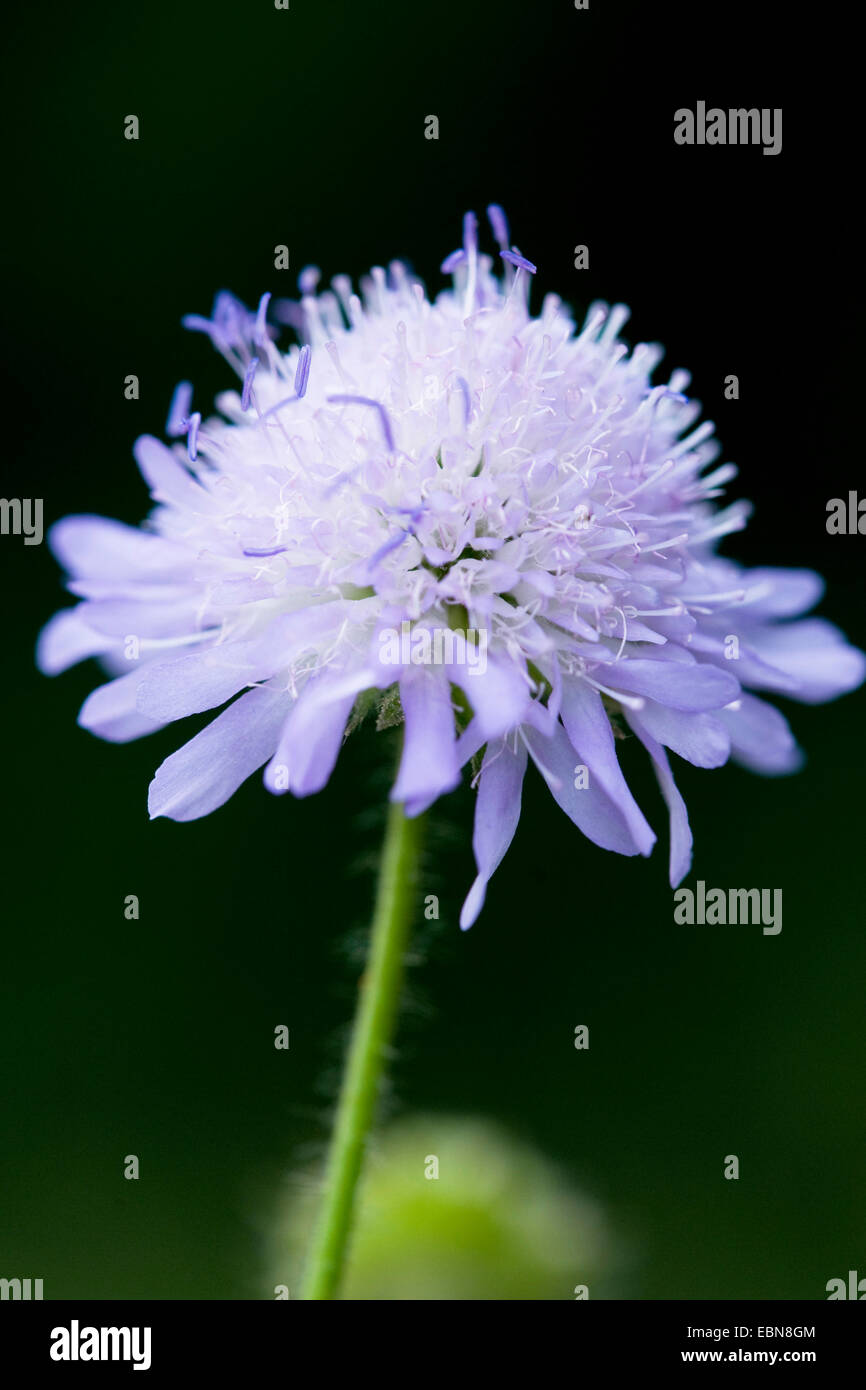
197,323
514,258
635,702
470,233
289,312
248,383
302,371
470,245
375,405
279,405
261,328
498,225
386,549
178,411
192,436
309,279
467,400
451,263
263,554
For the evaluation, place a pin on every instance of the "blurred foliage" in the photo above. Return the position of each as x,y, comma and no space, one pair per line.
455,1208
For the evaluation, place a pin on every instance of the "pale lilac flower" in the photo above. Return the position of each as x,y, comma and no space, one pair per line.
455,464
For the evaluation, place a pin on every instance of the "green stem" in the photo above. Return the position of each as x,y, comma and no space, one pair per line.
371,1036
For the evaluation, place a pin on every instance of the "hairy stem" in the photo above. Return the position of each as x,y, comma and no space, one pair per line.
371,1036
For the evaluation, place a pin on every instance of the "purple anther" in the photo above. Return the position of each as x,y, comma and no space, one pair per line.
376,405
470,233
192,436
658,393
309,279
248,383
229,324
290,312
263,554
261,332
302,371
386,549
514,258
450,263
197,323
498,225
467,399
231,318
178,411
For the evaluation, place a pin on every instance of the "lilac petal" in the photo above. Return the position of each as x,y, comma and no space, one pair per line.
681,835
497,812
110,711
311,740
752,669
100,548
201,680
591,736
122,617
592,811
498,695
470,742
66,640
815,654
681,685
781,593
702,739
204,773
429,764
761,739
167,478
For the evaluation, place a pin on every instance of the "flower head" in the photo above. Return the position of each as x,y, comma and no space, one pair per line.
415,487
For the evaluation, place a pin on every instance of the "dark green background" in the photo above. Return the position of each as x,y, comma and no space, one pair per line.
260,127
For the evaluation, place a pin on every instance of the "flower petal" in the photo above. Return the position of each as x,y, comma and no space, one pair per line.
204,773
702,739
429,764
202,680
592,811
591,735
498,694
104,549
815,655
111,712
66,640
497,812
167,478
760,737
311,740
781,593
681,685
681,835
